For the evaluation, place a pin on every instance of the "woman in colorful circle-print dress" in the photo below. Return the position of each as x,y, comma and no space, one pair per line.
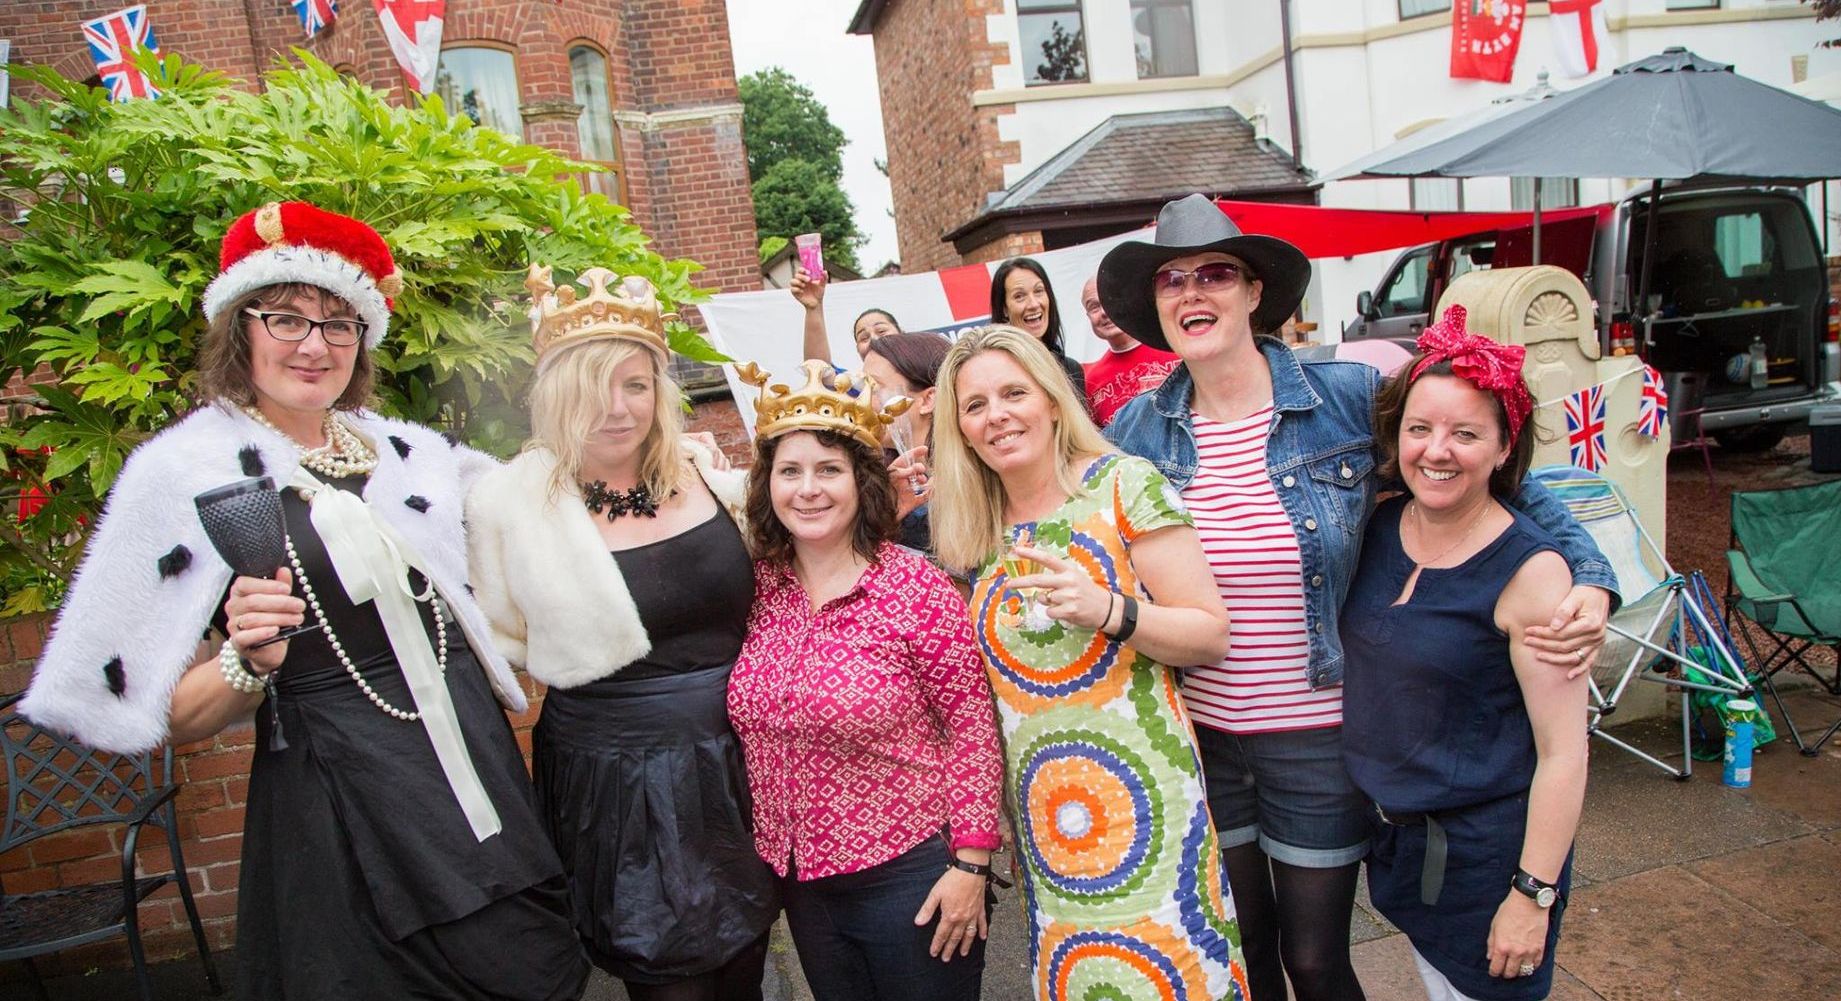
1126,899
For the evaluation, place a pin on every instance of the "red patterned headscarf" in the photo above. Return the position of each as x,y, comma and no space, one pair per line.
1488,365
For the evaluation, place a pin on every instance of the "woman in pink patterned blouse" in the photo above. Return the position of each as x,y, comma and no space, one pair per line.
865,719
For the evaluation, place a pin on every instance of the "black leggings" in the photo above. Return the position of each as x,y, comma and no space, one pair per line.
739,979
1294,922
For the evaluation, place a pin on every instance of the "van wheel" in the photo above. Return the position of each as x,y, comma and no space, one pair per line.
1761,438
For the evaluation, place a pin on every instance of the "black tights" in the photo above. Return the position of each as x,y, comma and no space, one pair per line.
1294,922
739,979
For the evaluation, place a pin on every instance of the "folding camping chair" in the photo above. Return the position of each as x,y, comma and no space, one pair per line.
1786,545
1660,621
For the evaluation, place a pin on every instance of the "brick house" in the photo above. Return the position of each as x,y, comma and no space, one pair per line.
644,86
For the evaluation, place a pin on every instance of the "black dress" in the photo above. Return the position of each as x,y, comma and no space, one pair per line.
642,781
361,877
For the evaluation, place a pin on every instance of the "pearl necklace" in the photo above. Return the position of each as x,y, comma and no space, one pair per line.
344,454
338,649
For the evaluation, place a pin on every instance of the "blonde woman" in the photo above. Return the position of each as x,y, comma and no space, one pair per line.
609,557
1090,587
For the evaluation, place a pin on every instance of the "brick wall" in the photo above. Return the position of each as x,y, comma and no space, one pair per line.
1008,246
944,154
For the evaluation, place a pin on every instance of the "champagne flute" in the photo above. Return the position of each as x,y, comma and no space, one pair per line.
901,435
1016,566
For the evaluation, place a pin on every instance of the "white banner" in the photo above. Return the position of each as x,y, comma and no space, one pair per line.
6,54
767,327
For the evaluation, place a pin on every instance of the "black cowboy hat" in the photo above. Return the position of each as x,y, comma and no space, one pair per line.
1196,225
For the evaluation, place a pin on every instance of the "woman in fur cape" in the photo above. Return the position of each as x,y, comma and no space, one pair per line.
610,560
391,846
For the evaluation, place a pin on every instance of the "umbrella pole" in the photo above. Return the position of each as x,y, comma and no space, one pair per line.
1640,308
1537,220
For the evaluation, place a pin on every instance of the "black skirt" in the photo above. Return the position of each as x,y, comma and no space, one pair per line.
644,788
361,878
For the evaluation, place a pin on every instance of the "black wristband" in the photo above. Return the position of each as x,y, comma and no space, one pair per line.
975,869
1128,619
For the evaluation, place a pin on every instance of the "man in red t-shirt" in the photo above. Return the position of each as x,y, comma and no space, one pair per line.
1128,367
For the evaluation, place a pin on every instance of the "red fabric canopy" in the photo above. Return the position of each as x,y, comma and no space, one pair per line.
1329,232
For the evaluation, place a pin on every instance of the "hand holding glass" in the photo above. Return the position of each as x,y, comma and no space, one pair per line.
901,435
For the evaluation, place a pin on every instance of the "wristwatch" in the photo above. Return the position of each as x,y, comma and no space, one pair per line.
1543,894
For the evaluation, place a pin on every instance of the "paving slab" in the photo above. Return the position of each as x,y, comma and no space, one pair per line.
1637,817
1795,882
1388,973
1669,934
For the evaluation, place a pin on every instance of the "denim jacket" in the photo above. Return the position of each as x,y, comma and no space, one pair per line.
1321,456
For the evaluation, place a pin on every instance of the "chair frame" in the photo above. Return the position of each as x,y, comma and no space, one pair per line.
54,784
1788,650
1663,640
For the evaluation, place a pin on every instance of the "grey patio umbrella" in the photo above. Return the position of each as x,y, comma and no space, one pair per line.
1673,116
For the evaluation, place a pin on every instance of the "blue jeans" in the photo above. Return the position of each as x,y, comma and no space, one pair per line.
1289,791
857,939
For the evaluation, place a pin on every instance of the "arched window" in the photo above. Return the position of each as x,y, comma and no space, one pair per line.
482,84
600,143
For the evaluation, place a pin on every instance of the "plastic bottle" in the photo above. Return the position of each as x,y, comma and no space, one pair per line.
1740,717
1761,364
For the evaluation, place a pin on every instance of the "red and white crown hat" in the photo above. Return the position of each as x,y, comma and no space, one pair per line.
285,242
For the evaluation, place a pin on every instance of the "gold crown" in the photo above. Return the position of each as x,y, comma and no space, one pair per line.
560,318
821,407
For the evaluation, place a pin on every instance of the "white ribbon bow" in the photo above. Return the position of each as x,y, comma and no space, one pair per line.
373,561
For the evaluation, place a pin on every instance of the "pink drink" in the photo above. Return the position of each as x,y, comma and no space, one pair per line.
811,253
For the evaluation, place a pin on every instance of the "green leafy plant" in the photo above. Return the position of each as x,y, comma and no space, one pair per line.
796,157
120,210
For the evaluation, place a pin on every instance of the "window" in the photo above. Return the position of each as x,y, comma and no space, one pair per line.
1420,8
1437,194
483,85
1556,192
1163,34
588,71
1054,46
1693,4
1405,290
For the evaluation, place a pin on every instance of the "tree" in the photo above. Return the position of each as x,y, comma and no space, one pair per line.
102,275
1064,55
1827,10
796,158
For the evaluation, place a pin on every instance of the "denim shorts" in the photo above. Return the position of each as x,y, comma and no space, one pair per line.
1288,791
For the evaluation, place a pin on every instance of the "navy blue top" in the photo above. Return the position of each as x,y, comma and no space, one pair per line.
1433,717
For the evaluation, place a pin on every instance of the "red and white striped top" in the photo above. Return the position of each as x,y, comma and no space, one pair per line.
1263,686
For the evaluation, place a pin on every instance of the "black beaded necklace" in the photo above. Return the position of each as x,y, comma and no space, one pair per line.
614,503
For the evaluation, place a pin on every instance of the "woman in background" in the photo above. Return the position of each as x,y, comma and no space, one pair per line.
1022,297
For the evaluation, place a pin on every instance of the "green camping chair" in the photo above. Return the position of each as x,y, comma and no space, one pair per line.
1786,547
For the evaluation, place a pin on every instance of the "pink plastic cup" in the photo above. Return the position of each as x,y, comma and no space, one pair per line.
811,253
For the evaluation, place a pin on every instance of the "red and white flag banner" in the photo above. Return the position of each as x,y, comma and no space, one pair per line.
1485,35
1579,34
413,29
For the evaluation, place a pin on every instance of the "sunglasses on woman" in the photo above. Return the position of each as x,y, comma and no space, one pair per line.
1214,275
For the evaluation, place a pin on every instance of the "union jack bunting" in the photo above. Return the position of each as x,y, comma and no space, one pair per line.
1652,407
315,15
1585,428
113,40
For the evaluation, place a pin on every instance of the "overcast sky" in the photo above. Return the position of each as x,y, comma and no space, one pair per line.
808,40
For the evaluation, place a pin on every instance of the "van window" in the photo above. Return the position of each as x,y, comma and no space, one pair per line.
1739,242
1405,291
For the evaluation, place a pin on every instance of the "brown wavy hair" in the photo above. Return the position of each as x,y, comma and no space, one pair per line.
875,523
223,355
1390,410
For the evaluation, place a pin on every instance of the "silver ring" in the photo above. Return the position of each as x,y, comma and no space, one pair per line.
1527,969
971,927
1579,655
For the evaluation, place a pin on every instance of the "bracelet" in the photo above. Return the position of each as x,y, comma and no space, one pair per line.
1111,599
236,673
955,862
1128,620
